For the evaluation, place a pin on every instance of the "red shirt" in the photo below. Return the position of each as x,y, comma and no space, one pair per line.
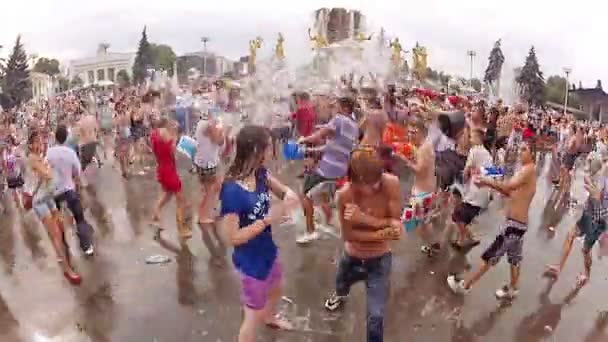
305,118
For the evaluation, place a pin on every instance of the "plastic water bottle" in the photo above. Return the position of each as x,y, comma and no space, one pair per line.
293,151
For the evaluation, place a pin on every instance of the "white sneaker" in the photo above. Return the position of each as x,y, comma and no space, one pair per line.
506,293
308,237
457,285
89,251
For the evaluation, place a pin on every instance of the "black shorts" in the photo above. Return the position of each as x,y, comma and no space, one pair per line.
311,180
510,241
87,152
281,134
14,182
569,160
465,213
206,174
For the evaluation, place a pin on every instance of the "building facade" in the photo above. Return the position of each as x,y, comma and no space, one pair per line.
43,86
212,65
593,101
103,67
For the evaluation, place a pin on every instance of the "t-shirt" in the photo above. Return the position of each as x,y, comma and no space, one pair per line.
305,118
478,157
65,165
256,257
207,152
334,162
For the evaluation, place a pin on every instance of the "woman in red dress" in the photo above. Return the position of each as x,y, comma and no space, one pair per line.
163,141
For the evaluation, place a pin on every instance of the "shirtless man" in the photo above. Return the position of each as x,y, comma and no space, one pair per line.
372,125
369,206
521,189
425,182
87,128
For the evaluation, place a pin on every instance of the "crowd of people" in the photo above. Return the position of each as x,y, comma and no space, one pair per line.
357,142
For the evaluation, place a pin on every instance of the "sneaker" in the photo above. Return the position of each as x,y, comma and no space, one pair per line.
506,293
430,250
308,237
90,251
457,285
334,302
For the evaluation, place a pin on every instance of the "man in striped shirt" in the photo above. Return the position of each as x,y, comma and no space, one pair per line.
342,133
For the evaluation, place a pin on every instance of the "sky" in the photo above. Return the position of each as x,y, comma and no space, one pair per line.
564,33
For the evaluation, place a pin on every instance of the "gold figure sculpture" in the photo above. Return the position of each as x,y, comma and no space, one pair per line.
254,45
395,45
361,37
279,50
420,61
319,40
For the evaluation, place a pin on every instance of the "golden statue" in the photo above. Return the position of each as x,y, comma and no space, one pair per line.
395,45
319,41
420,62
254,45
361,37
279,50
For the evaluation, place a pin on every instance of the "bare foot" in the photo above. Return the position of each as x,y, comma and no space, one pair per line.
581,280
552,271
279,323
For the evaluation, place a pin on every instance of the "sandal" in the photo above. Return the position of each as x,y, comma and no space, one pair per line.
581,280
552,271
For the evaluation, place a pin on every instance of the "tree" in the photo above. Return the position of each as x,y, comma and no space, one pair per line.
185,64
476,84
494,69
163,57
64,84
531,82
143,60
123,78
555,89
16,83
76,82
47,66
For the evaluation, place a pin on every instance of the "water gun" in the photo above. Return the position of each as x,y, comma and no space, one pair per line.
492,171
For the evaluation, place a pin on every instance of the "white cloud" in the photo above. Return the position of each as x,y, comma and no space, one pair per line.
565,33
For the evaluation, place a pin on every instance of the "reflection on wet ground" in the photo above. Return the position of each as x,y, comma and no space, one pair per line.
189,299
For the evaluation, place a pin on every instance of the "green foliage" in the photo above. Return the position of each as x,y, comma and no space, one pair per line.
185,63
16,83
123,78
64,84
76,82
476,84
163,57
143,60
495,62
49,66
531,81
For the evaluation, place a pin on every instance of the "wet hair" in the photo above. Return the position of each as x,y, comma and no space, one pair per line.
61,134
303,96
162,123
32,137
365,166
346,103
251,143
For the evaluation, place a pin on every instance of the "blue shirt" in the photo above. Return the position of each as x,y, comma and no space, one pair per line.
256,257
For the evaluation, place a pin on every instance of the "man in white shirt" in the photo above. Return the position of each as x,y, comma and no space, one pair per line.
66,168
475,198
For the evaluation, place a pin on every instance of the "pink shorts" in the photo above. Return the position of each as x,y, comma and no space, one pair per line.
255,292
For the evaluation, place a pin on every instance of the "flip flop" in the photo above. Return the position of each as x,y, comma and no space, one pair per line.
552,271
280,324
581,280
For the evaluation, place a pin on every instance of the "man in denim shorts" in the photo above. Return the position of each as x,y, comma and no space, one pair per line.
591,226
521,189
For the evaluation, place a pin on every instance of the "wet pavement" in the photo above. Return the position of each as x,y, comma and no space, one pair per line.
124,299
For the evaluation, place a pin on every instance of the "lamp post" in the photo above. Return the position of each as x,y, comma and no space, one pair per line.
204,40
471,54
567,71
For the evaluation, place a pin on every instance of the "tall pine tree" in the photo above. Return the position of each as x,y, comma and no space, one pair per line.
143,60
531,81
16,83
494,69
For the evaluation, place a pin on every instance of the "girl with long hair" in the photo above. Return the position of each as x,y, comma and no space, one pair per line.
247,221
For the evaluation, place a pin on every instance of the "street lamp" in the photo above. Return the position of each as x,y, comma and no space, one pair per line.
471,54
205,40
567,71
